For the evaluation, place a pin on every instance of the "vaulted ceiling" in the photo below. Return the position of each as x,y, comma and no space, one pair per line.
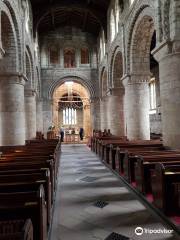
89,15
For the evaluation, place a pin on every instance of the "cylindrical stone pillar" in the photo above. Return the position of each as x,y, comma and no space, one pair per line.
137,110
103,111
87,121
39,115
169,70
12,110
95,113
30,113
116,115
47,115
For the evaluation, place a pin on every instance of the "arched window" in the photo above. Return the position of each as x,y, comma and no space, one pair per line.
101,49
131,2
103,43
152,93
54,55
69,58
69,116
117,9
27,16
112,26
84,56
102,46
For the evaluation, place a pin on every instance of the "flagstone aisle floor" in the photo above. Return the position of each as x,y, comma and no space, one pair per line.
83,180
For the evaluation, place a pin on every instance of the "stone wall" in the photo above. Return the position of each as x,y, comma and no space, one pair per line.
54,76
27,66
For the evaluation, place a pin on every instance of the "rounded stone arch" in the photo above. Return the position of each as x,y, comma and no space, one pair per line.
104,82
143,17
112,25
140,45
28,71
12,9
116,68
38,83
29,68
9,62
84,82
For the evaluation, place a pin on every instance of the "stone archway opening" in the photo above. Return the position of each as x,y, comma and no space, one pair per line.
116,98
71,110
103,103
11,87
138,94
9,61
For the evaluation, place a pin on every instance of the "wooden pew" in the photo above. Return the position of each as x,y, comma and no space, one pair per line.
176,190
32,163
131,155
164,193
10,181
40,152
22,168
106,141
23,205
16,230
146,164
118,153
115,151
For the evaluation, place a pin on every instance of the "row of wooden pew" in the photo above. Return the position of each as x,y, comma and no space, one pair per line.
148,166
28,177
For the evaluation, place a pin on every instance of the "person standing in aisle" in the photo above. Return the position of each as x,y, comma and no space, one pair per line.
81,133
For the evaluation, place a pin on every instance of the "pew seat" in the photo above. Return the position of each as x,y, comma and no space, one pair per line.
26,204
165,187
16,230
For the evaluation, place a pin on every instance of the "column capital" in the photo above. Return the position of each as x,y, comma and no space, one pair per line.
104,98
39,99
94,99
13,78
139,77
116,91
136,78
30,92
166,48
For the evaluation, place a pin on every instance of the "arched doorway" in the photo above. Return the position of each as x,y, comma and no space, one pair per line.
103,103
137,89
11,86
116,98
71,109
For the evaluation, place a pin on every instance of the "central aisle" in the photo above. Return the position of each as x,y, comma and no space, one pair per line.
84,180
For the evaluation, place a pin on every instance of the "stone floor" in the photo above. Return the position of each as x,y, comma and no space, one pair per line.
76,217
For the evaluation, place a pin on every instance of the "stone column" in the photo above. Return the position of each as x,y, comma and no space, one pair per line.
169,71
56,115
115,107
137,107
87,120
39,115
12,110
30,113
47,115
95,113
103,112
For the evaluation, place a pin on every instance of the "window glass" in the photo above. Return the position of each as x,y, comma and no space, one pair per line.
54,55
152,92
69,116
84,56
69,58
